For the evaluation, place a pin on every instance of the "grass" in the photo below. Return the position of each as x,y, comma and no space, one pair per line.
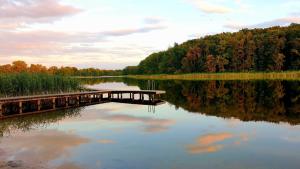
21,84
288,75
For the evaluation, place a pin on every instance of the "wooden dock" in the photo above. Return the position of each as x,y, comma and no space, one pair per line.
15,106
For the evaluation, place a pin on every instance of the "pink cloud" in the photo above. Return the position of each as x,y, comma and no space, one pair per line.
35,9
40,42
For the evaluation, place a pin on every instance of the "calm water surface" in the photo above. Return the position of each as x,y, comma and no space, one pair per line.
207,125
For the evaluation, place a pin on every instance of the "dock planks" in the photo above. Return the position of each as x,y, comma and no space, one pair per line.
13,106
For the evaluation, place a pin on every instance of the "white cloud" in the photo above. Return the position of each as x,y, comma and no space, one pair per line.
209,7
153,20
276,22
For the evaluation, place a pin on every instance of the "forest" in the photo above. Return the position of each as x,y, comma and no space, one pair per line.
21,67
256,50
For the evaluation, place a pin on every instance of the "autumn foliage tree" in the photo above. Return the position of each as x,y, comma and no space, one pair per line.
190,62
21,66
270,49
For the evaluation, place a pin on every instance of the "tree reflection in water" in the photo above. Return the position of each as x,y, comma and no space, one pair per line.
271,101
29,122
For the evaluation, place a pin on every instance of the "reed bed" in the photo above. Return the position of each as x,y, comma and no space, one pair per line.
22,84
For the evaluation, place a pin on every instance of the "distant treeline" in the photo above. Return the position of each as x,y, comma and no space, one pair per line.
18,84
270,49
21,66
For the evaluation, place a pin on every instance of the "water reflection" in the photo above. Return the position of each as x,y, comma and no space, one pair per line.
41,146
206,124
208,143
30,122
272,101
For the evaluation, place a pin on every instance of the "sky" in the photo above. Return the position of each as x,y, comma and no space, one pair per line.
113,34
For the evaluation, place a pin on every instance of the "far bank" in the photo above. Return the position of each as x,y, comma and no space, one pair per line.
288,75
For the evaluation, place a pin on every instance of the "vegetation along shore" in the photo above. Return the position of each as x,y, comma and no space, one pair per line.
288,75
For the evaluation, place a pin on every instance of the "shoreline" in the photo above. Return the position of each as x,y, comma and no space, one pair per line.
288,75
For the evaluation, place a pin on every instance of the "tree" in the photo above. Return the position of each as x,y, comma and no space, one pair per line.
211,63
269,49
190,62
250,51
278,60
220,63
6,68
19,66
37,68
53,70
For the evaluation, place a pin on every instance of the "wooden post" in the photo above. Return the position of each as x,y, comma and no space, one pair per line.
67,102
77,100
39,105
20,107
53,103
1,110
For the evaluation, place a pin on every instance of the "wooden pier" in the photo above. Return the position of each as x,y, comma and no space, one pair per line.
15,106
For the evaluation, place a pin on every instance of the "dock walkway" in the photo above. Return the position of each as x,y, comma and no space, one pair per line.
12,106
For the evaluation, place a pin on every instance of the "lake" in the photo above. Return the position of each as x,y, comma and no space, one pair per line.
203,124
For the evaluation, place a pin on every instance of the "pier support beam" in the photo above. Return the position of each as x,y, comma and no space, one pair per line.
1,110
78,100
20,107
67,102
53,103
39,105
90,97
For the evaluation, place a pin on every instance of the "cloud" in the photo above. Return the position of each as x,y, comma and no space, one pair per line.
35,9
206,143
41,146
150,124
106,141
199,149
209,7
16,14
125,32
234,26
46,43
153,20
295,14
213,138
213,142
276,22
281,21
